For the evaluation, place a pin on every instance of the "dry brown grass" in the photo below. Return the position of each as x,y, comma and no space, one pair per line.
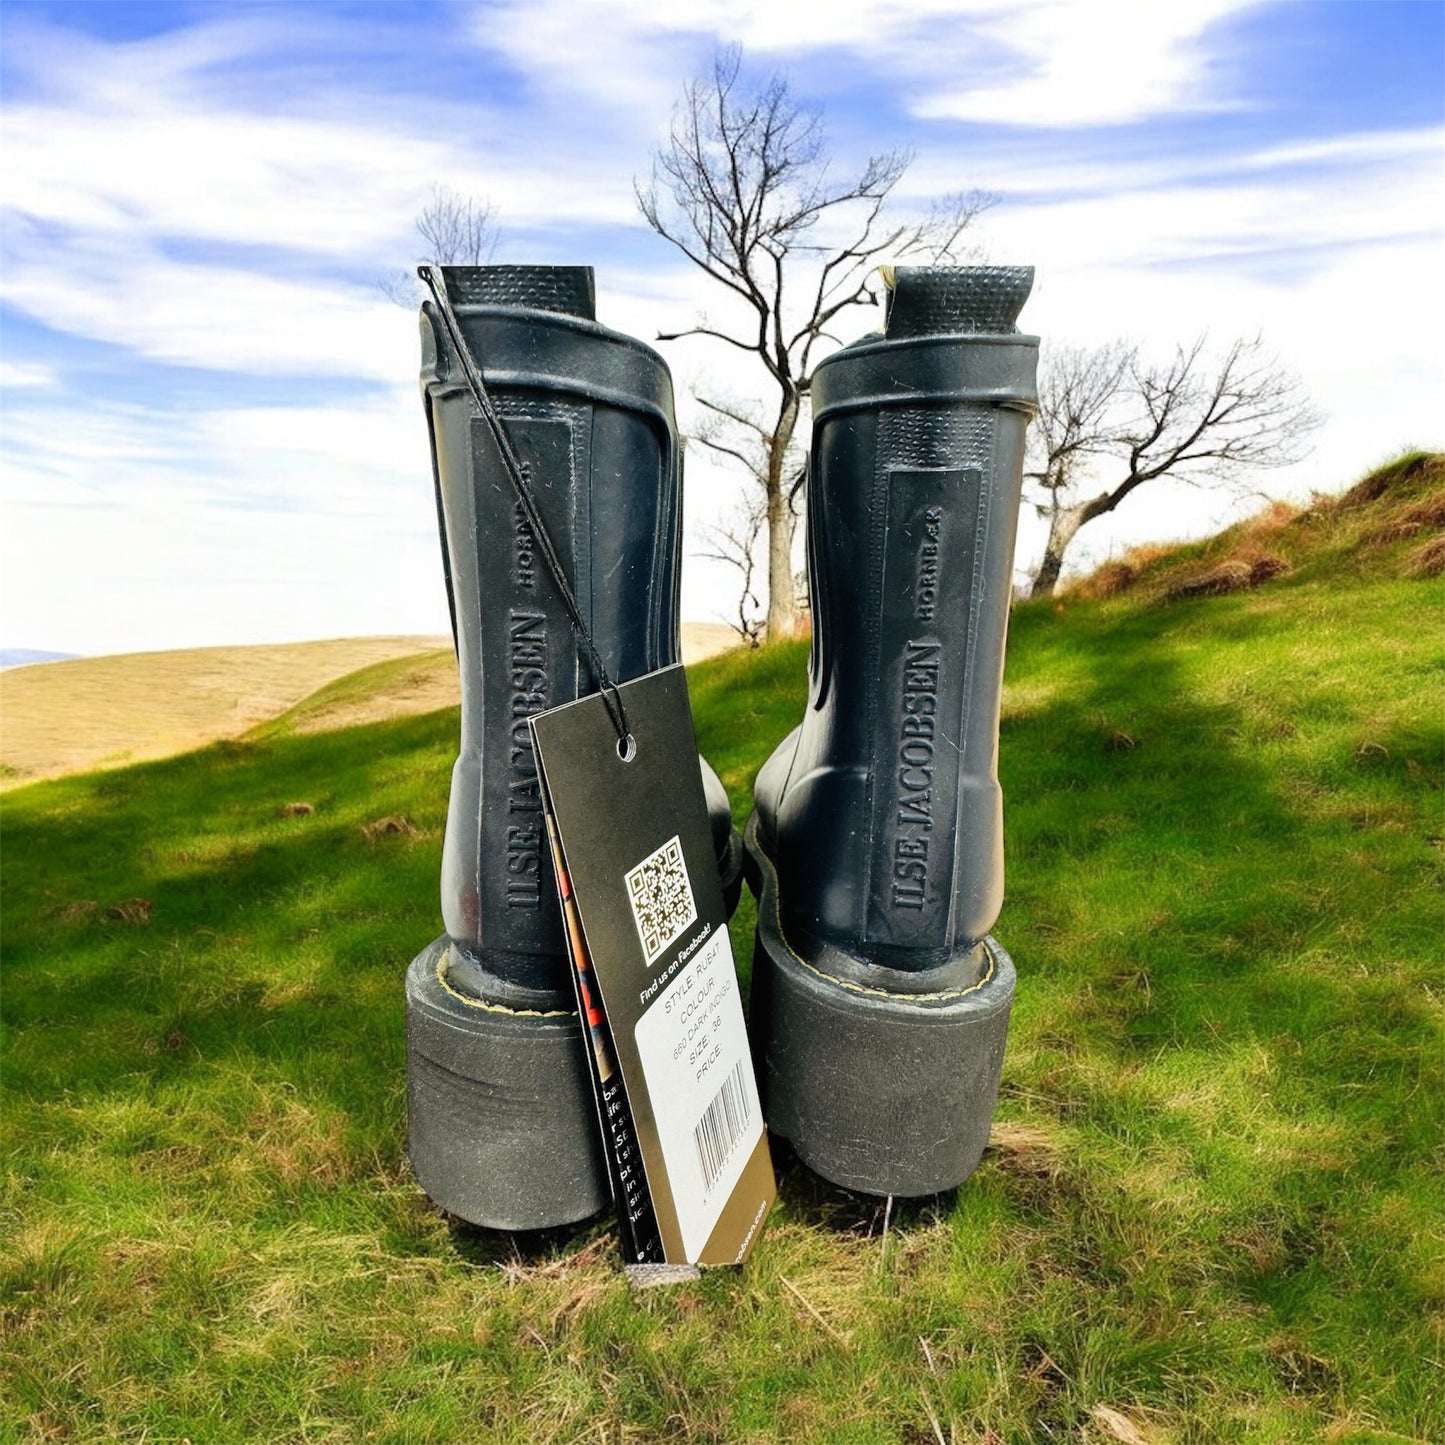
1428,514
64,717
1427,561
133,910
393,827
1248,568
1399,501
1111,579
1273,519
1423,468
96,712
1119,574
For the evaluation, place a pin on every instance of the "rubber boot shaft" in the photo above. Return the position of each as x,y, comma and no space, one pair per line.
884,812
880,1003
502,1128
589,412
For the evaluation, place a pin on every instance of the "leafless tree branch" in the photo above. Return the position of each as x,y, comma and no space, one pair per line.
456,230
736,544
1199,416
742,187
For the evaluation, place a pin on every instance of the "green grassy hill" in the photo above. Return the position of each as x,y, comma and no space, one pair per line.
1210,1210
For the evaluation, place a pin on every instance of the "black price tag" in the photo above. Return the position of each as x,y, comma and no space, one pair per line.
655,977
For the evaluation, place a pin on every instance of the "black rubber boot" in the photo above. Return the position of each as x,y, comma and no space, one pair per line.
502,1129
880,1003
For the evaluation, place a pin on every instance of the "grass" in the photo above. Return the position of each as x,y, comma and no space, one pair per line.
1210,1210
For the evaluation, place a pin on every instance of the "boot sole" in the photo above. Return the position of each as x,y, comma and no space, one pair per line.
502,1126
878,1089
731,867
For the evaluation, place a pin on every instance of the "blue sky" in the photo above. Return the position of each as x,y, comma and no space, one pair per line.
211,430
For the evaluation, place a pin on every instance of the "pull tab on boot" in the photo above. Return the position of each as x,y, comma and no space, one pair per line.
880,1002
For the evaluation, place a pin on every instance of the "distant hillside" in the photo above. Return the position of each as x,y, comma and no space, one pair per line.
1391,522
25,656
106,711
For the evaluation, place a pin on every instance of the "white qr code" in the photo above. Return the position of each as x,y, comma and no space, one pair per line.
661,896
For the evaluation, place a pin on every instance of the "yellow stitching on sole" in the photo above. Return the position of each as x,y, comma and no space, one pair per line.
772,887
497,1008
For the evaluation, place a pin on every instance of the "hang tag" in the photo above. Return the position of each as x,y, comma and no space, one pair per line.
655,977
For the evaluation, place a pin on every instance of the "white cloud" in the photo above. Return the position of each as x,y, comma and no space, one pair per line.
152,578
149,165
1029,168
26,375
130,527
346,461
221,317
1063,63
1087,65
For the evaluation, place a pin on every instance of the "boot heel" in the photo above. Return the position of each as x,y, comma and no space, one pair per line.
879,1090
503,1128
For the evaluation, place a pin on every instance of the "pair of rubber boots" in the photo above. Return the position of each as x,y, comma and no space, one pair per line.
879,1003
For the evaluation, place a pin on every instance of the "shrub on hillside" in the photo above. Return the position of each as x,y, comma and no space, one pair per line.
1407,473
1234,574
1429,560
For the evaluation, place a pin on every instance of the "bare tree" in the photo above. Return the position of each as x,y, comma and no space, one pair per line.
456,230
1196,418
736,542
742,188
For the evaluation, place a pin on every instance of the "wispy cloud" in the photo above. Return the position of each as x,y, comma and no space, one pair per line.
211,405
225,318
27,375
1036,63
1088,65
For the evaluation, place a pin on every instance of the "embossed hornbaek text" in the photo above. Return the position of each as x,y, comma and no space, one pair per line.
925,592
525,546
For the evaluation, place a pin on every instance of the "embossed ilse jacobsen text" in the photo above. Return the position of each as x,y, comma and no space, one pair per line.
915,774
527,655
918,729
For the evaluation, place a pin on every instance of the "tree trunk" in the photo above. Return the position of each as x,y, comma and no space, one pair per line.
1064,524
782,605
782,609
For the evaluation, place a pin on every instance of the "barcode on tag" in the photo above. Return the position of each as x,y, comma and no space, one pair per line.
660,893
722,1122
693,1042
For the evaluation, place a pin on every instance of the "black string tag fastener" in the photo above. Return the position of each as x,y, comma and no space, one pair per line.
436,283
